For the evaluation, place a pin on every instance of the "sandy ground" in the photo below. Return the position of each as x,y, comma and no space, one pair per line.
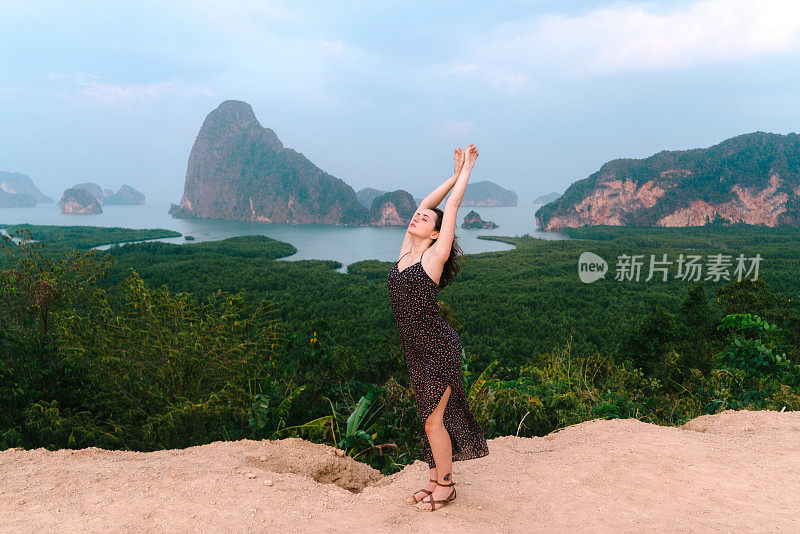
730,472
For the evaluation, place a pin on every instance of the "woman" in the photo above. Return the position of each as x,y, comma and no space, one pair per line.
431,346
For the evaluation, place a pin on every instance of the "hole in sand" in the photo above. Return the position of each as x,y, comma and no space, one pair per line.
319,462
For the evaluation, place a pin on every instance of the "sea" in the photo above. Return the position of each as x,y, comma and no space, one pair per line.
346,244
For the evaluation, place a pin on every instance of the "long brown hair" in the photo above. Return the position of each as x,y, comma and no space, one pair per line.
451,267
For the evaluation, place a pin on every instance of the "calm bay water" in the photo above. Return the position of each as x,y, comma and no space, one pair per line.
313,241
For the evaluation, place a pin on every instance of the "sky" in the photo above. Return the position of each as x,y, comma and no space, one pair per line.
380,93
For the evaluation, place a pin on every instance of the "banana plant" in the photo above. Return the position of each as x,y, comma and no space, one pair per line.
320,424
358,438
260,414
478,385
358,432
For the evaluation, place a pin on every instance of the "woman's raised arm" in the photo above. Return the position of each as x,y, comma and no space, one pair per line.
460,186
445,240
435,197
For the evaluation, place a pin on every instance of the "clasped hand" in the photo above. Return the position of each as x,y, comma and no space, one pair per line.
461,157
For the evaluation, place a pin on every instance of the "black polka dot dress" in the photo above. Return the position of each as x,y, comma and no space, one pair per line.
433,357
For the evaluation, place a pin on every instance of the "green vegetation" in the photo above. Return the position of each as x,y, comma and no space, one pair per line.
86,237
155,345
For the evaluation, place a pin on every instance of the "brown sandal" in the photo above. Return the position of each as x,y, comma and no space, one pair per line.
443,502
414,495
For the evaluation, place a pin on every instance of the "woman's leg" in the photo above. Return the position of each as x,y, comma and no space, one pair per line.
441,448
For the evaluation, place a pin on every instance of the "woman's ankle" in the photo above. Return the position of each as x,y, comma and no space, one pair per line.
447,479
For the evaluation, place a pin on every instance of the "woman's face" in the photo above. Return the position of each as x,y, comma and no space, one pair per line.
423,223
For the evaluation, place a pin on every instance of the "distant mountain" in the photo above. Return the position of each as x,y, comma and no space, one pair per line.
15,183
544,199
486,193
16,200
94,189
367,195
752,178
239,170
392,209
79,201
126,196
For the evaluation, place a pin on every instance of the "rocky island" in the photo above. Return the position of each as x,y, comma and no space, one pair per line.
17,190
16,200
240,171
486,193
77,201
544,199
95,190
474,221
392,209
752,178
368,194
126,196
483,193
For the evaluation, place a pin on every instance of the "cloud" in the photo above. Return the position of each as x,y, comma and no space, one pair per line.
460,68
105,93
450,129
284,54
637,37
511,81
336,47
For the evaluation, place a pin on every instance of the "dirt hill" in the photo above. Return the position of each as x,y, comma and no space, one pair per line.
730,472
